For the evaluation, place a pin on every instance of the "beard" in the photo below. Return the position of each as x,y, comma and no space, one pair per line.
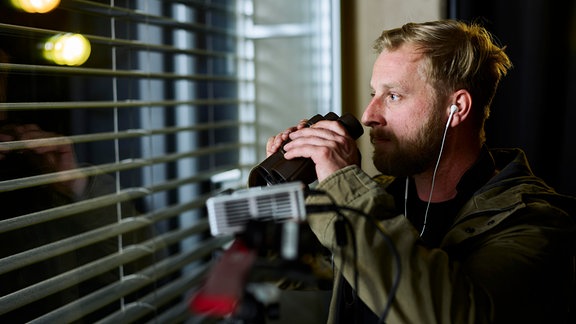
409,156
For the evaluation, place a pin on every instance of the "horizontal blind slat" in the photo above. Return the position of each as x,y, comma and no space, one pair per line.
180,313
53,249
57,283
49,178
43,179
16,106
98,267
78,308
108,294
95,137
206,5
71,209
169,291
140,16
56,248
98,202
99,72
133,44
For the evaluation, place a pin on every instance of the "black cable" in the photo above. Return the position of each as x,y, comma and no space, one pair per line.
338,209
392,247
339,233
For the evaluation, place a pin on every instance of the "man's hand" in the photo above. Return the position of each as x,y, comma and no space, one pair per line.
275,142
326,142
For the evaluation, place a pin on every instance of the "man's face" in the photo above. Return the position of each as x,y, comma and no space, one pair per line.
406,127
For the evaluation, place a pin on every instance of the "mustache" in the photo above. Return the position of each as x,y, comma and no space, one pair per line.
381,135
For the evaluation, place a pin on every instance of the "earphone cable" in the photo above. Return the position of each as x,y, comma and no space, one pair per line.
435,171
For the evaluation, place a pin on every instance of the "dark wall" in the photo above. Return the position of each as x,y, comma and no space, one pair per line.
535,108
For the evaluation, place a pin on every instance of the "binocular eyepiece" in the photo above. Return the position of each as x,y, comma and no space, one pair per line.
276,169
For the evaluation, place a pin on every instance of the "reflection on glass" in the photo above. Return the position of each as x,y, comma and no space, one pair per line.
36,6
67,49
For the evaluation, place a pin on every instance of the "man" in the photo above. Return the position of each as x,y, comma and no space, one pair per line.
475,236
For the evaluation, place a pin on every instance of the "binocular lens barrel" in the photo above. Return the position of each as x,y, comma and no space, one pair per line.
276,169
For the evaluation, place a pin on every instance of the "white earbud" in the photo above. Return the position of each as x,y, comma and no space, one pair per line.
453,109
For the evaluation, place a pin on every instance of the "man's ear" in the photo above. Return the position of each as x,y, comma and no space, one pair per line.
463,102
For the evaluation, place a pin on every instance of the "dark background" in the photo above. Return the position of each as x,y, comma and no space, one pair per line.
535,107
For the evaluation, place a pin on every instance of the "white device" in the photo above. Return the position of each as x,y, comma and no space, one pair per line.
228,214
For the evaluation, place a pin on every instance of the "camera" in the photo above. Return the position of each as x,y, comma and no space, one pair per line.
276,169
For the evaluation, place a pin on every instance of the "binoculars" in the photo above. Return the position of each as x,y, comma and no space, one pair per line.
276,169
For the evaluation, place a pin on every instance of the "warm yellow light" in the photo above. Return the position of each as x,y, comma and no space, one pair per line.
67,49
36,6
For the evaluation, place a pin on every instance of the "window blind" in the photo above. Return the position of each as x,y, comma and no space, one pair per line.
105,166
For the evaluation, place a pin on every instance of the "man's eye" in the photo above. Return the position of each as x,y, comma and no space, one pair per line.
394,97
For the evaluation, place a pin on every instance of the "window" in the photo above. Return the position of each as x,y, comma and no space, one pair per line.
152,117
106,164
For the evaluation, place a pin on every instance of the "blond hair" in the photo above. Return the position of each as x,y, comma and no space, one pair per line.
458,56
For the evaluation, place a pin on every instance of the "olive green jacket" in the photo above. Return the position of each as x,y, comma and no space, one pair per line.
506,259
